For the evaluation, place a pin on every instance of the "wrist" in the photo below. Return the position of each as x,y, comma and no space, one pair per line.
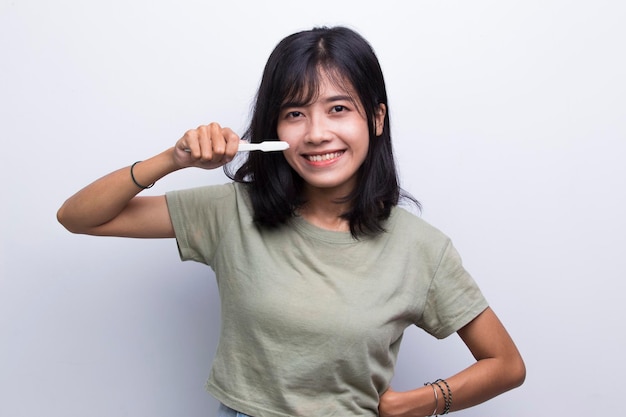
419,402
442,394
145,173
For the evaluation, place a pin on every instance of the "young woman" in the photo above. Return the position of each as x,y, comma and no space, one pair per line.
335,270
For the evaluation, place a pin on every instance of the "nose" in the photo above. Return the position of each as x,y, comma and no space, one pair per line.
318,131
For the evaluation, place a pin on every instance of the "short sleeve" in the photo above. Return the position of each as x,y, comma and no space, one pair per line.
199,217
454,299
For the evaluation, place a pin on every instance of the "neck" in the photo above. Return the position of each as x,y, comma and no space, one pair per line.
322,209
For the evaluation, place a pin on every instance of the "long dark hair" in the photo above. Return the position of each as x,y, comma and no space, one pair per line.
292,74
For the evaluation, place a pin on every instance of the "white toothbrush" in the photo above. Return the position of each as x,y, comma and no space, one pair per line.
266,146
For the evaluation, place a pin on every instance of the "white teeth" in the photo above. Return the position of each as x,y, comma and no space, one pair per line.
325,157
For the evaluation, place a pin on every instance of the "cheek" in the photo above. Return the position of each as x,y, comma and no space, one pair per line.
287,134
360,140
282,129
356,130
290,136
290,157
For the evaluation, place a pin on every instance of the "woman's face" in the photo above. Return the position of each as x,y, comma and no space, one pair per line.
328,138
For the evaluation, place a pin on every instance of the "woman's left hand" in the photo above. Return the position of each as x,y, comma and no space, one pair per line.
417,402
385,403
391,404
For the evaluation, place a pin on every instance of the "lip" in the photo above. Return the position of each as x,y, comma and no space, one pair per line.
323,158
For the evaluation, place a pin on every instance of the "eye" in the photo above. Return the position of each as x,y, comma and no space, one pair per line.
338,108
293,114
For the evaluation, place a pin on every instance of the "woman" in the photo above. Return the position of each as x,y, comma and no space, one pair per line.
334,269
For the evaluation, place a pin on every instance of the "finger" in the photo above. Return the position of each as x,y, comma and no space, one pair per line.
218,141
206,143
232,143
189,142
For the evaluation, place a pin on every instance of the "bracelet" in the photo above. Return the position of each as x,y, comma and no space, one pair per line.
436,399
443,394
447,398
132,176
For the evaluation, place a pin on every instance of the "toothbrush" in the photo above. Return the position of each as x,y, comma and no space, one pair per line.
266,146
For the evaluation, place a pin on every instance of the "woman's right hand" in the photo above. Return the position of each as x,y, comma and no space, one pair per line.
208,146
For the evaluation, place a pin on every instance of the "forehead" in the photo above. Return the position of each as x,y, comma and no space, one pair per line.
321,82
328,84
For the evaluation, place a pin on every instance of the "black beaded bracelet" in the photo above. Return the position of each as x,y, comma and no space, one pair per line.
447,398
132,176
443,394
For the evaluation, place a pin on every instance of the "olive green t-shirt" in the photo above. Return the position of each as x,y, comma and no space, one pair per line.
312,319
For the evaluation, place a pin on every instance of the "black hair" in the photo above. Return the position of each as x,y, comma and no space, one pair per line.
292,74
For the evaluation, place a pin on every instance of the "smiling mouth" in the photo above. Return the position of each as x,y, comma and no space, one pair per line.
324,157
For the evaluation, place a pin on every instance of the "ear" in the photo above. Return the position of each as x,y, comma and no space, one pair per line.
379,119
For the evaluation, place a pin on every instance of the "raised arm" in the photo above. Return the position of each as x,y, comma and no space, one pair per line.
498,368
110,206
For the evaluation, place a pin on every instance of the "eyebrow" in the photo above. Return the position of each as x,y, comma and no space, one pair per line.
341,97
331,99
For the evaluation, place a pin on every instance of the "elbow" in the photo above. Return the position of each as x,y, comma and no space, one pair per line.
77,223
63,220
66,221
521,374
516,372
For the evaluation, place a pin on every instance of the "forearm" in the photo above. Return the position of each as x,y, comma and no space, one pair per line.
105,198
480,382
485,379
498,368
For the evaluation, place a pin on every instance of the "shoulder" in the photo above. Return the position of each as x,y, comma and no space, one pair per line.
210,191
208,200
208,194
405,223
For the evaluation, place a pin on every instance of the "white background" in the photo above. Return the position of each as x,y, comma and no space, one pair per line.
508,122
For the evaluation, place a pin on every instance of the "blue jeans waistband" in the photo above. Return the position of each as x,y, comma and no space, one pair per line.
224,411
